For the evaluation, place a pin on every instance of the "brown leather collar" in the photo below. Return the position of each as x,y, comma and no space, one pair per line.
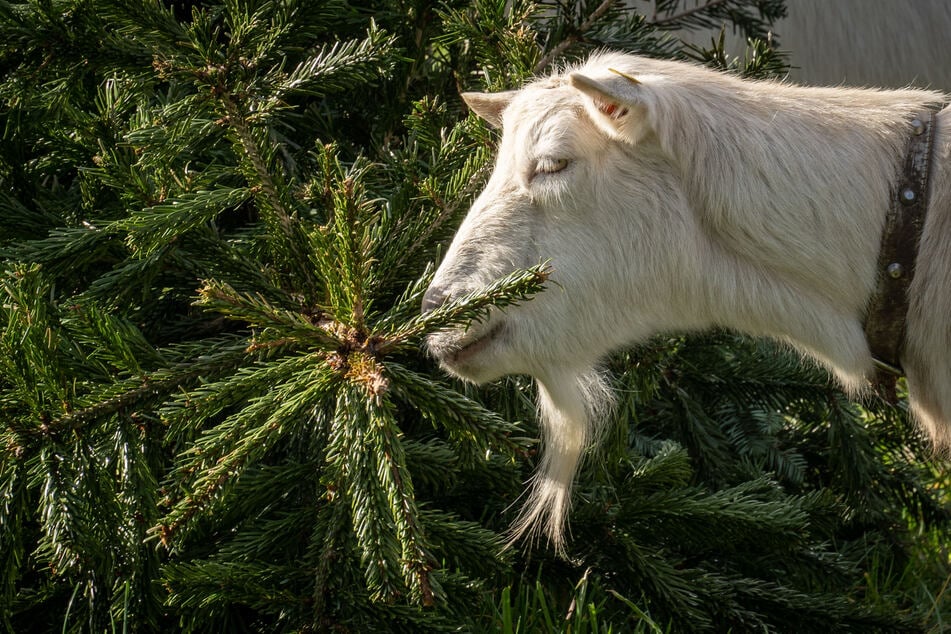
888,308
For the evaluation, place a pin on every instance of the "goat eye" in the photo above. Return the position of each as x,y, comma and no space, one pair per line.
550,166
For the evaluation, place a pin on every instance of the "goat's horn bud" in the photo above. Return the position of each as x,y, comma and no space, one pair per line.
633,80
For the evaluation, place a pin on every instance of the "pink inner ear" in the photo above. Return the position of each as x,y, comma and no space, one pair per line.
612,110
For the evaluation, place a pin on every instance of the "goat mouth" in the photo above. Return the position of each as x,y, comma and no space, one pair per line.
471,348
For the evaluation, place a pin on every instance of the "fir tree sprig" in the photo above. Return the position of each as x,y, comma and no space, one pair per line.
220,455
460,311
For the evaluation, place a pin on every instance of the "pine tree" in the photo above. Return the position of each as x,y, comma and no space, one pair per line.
219,219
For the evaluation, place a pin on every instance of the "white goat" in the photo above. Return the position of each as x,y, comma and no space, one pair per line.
669,197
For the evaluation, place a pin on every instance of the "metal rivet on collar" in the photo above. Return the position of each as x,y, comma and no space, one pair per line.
895,270
908,196
917,125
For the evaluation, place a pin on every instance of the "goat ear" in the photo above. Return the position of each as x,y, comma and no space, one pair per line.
616,104
489,105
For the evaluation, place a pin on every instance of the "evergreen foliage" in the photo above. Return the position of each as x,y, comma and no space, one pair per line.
218,219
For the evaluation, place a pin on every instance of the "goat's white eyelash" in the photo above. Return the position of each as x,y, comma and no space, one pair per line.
550,166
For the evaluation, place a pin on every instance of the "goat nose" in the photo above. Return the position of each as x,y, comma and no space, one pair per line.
433,299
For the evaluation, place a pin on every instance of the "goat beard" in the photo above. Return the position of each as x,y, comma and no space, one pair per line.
573,407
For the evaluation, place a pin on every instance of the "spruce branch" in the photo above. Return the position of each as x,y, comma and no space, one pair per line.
351,247
367,456
158,225
259,585
220,355
752,17
676,18
416,562
266,191
279,326
447,211
355,473
113,343
506,291
466,421
335,67
221,454
331,524
576,35
191,411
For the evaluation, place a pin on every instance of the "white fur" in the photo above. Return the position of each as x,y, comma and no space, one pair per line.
892,43
699,200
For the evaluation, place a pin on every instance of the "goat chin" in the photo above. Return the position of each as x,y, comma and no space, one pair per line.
572,409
